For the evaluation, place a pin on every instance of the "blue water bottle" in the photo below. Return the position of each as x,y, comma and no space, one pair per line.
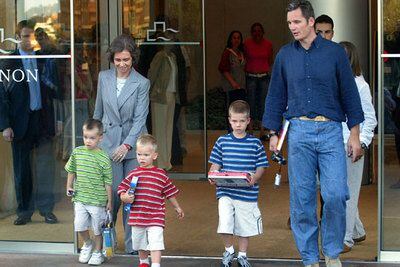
131,191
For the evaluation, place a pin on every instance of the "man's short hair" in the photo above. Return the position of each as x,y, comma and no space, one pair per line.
239,106
91,124
305,6
324,19
147,139
30,24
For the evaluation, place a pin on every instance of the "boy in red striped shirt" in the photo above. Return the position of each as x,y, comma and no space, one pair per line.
147,213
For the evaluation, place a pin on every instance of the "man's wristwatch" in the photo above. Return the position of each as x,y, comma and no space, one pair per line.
364,146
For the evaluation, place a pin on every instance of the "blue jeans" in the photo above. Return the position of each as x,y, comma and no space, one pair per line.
257,89
317,146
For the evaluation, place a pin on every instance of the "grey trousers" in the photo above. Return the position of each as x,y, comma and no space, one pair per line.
354,226
120,171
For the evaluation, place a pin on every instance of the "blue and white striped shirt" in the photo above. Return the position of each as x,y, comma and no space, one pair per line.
239,155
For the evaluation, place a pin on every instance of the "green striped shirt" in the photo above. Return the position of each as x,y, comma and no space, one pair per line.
93,171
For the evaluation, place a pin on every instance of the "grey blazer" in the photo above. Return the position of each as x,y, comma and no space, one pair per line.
123,117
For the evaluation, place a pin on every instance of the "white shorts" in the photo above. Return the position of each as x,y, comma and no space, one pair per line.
148,238
239,218
87,216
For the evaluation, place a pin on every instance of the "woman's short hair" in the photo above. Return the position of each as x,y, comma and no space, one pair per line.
354,59
121,43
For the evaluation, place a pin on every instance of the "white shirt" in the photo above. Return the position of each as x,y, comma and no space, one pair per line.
120,83
368,125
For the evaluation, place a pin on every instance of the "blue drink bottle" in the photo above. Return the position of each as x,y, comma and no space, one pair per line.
131,191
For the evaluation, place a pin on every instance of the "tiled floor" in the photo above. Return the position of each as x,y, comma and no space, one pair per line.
45,260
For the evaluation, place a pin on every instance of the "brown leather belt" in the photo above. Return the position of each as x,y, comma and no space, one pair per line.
317,118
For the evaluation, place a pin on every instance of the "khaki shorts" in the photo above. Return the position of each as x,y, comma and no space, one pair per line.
87,216
239,218
148,238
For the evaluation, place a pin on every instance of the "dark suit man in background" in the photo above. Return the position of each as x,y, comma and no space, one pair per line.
27,121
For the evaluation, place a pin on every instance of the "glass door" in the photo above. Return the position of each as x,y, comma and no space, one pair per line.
35,57
176,27
390,130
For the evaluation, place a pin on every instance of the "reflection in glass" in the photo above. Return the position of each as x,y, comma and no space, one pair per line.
184,17
32,181
391,26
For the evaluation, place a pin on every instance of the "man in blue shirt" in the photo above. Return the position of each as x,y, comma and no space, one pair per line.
312,85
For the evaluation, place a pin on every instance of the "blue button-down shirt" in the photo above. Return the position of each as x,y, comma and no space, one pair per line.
34,86
317,81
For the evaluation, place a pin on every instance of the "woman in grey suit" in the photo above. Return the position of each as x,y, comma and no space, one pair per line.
122,104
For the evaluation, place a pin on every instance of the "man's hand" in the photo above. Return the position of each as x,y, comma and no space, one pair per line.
127,198
273,143
8,134
354,149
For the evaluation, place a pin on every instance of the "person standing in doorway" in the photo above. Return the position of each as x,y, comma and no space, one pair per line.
312,85
324,27
258,53
27,121
355,231
122,105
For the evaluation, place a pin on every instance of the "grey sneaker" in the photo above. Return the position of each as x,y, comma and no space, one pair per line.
243,262
227,259
332,262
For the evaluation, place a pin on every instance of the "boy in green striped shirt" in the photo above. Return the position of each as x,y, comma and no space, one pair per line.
89,184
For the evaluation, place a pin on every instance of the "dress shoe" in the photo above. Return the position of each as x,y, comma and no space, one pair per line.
49,217
22,221
346,249
359,239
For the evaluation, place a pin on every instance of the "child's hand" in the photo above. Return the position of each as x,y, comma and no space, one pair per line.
109,206
253,180
70,191
127,198
180,212
212,181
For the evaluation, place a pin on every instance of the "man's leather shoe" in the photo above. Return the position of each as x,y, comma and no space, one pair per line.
50,218
346,249
359,239
22,221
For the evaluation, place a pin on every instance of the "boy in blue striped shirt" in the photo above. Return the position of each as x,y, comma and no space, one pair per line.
238,211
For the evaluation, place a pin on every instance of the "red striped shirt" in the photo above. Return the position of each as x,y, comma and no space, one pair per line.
153,187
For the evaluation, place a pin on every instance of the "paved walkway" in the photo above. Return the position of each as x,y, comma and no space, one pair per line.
50,260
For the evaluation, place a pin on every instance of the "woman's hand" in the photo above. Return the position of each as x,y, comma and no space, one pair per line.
120,153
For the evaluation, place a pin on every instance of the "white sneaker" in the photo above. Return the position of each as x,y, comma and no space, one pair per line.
86,252
313,265
332,262
96,259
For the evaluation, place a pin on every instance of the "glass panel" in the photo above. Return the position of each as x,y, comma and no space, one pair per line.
391,26
391,177
182,133
33,112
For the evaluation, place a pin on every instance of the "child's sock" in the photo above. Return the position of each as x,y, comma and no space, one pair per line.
231,250
147,261
242,254
155,265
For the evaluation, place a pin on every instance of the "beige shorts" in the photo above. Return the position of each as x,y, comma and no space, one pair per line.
87,216
239,218
148,238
